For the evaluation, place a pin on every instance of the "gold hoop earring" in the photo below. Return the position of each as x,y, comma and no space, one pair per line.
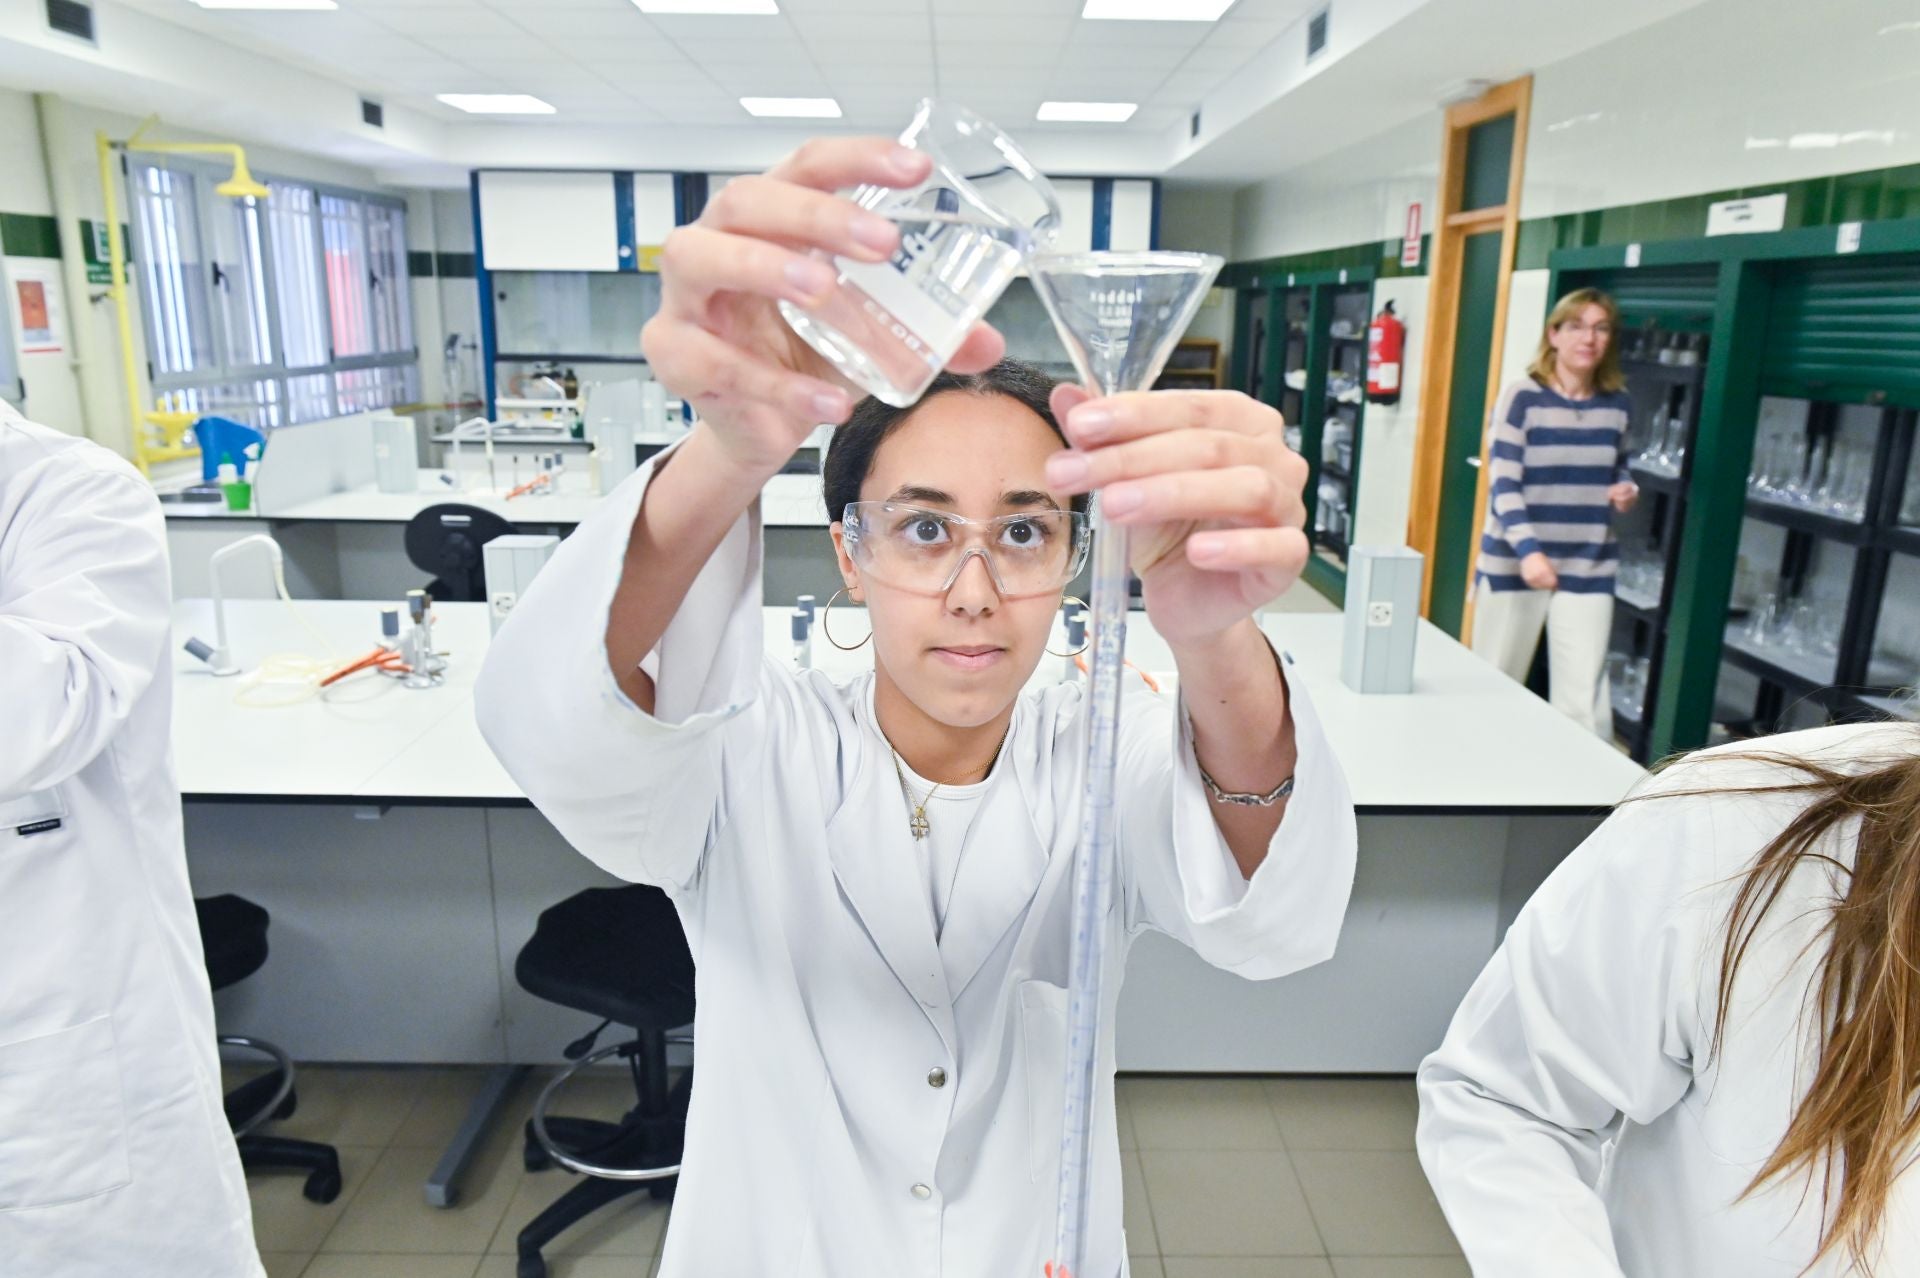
1084,607
844,647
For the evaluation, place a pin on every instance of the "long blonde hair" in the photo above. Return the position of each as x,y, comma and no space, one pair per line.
1607,376
1855,1129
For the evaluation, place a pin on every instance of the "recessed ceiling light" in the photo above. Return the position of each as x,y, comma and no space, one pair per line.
1087,112
1156,10
497,103
793,108
707,6
268,4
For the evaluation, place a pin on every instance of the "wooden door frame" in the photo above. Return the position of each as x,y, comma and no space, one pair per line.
1451,227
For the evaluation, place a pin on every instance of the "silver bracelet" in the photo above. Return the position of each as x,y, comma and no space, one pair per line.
1266,800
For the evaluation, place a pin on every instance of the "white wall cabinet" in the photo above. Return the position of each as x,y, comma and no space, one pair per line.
653,208
1076,215
1130,223
549,222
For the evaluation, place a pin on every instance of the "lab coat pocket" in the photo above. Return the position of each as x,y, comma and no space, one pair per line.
63,1128
26,819
1043,1051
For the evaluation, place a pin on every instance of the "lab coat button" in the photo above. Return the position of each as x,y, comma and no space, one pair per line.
936,1077
922,1192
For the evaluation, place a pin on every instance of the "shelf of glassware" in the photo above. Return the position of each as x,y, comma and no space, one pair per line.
1791,625
1341,417
1813,466
1666,399
1893,661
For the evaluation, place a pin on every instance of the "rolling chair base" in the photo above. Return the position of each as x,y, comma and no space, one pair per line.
270,1097
638,1141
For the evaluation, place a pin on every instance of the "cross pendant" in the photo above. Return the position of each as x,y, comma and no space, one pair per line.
918,823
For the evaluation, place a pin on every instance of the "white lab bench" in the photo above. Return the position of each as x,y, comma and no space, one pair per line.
348,545
404,869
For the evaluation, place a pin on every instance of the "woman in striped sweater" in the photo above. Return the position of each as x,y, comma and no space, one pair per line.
1558,474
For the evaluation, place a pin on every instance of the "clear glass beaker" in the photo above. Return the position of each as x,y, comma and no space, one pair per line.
965,232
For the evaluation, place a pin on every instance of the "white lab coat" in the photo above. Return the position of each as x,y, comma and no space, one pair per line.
115,1157
1572,1123
765,802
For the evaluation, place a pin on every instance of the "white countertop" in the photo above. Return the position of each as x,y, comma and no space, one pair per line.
1466,740
788,501
360,741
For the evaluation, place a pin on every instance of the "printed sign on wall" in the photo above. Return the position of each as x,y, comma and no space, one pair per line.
36,291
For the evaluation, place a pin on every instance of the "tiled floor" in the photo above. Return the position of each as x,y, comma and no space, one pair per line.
1224,1178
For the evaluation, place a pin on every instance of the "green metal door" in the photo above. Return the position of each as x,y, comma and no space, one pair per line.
1466,425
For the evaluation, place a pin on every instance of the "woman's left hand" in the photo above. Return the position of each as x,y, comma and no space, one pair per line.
1206,485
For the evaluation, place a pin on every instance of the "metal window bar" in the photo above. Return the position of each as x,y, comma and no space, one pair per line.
323,295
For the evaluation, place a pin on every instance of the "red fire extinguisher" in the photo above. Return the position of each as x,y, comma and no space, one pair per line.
1386,338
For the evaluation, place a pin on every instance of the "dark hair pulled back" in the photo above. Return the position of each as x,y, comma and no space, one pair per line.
850,456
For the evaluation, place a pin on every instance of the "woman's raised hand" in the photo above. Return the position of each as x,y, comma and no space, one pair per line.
1209,489
718,339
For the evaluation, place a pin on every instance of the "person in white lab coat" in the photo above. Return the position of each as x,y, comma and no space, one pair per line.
875,877
115,1155
1698,1050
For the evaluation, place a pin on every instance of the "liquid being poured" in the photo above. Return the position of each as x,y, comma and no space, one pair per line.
891,326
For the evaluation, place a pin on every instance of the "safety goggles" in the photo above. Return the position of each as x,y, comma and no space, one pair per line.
922,550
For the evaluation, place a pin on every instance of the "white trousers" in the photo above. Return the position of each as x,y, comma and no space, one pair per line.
1506,630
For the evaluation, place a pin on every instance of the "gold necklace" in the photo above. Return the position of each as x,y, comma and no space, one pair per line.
917,821
917,812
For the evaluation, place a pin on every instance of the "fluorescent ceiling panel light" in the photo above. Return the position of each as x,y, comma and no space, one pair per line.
708,6
1156,10
496,103
1087,112
268,4
793,108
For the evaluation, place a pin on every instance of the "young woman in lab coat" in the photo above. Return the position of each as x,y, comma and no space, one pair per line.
1698,1050
880,1036
115,1156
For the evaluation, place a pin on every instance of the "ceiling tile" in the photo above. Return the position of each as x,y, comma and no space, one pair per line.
885,62
771,52
1033,8
988,57
438,22
683,26
768,82
1284,10
425,74
892,104
1120,58
645,51
1179,35
693,113
472,48
829,29
662,78
552,6
797,7
1114,86
1156,117
1251,32
592,24
1010,29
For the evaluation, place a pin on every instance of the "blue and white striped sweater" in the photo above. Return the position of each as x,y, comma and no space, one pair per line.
1550,466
